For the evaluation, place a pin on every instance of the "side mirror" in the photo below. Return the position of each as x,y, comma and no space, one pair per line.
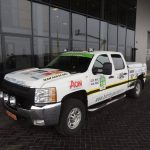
107,69
95,70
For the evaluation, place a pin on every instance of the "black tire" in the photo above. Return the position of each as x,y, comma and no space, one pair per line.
136,92
68,106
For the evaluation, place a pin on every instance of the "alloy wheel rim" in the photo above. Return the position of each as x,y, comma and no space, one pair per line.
74,118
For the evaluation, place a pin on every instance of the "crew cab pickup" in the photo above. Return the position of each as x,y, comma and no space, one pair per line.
72,84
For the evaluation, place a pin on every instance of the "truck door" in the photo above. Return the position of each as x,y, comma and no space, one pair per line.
98,83
120,75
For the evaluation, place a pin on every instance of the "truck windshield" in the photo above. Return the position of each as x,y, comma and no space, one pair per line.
72,64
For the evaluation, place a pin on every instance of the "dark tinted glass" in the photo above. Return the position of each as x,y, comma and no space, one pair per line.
61,3
118,62
111,11
93,7
70,63
79,6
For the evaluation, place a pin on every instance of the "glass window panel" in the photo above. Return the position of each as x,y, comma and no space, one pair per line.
118,62
78,27
93,30
41,51
58,46
121,39
103,36
129,44
79,45
93,7
112,37
40,19
59,23
16,16
18,53
1,63
79,6
148,42
62,3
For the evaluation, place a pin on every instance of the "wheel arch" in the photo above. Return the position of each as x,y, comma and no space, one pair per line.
80,95
141,78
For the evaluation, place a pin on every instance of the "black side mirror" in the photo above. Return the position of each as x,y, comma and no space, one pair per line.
95,70
107,69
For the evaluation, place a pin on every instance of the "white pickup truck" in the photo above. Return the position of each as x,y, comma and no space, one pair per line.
72,84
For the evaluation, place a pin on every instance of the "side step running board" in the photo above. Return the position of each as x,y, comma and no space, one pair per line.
107,103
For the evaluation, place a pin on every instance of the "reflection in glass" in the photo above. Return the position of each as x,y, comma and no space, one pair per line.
129,44
16,16
103,36
93,30
78,27
94,45
112,37
18,53
40,19
79,45
79,6
58,46
41,51
59,23
121,39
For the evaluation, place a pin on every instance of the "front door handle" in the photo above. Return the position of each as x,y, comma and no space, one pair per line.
125,73
110,77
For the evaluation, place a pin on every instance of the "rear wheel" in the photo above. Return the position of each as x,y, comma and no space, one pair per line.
136,92
72,117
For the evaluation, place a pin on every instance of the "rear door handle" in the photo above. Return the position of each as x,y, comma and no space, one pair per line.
110,77
125,73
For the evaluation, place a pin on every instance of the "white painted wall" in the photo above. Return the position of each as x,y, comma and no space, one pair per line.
142,28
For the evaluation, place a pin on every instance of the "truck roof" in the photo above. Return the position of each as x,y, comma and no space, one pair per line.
97,52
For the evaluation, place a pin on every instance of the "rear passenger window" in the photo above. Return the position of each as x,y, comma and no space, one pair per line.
118,62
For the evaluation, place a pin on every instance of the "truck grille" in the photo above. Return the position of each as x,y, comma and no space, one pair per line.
24,95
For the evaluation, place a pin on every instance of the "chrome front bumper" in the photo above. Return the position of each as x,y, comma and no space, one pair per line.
46,115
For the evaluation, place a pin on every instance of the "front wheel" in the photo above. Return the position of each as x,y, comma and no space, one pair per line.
72,117
136,92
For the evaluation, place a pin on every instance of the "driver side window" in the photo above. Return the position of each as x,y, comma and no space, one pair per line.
100,61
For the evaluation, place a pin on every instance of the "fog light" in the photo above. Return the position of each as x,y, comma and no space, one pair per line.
12,101
39,122
6,97
1,94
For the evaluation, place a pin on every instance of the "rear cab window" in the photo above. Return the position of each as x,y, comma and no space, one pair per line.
118,62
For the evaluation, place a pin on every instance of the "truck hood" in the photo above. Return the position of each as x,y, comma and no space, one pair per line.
35,77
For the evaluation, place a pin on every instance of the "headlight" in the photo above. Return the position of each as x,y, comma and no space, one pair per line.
47,95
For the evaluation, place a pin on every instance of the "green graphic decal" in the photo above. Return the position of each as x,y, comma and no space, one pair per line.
102,82
78,54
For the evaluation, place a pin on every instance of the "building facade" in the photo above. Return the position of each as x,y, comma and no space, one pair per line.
33,32
142,38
